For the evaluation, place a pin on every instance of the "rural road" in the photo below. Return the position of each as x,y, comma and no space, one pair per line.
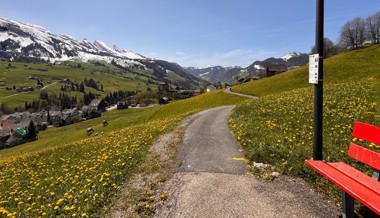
28,91
229,91
212,179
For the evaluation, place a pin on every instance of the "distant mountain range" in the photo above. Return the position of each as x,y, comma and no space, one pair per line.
228,74
28,42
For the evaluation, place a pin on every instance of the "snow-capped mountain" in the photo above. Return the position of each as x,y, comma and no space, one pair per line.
291,60
28,42
292,55
19,40
256,69
210,73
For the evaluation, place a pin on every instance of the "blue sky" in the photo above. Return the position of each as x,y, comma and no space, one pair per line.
193,32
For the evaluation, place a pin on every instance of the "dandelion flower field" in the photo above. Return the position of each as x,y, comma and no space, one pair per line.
78,178
278,129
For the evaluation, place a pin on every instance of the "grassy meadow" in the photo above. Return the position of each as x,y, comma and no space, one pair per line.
344,67
18,76
65,173
278,128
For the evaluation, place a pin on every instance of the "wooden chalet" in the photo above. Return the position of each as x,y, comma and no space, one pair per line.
274,69
97,105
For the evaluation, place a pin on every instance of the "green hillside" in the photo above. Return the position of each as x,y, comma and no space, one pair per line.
112,77
344,67
67,173
278,128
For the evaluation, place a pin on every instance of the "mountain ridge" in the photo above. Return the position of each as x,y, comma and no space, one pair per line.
229,74
29,42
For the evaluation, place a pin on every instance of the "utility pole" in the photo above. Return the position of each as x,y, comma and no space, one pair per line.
318,88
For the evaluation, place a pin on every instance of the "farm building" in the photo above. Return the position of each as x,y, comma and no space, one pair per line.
274,69
210,88
121,105
163,100
98,105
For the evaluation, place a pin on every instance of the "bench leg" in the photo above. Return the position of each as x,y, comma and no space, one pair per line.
348,206
376,175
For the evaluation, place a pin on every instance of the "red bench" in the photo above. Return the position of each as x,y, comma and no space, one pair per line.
355,184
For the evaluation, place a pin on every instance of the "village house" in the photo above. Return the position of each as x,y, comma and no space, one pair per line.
163,88
70,116
163,100
89,113
44,114
122,105
210,88
55,118
13,128
4,136
274,69
7,121
97,105
182,94
248,79
196,92
218,85
18,136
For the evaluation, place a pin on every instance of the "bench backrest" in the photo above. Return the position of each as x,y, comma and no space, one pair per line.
368,133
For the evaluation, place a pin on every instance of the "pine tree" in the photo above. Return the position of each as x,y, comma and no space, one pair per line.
81,87
32,133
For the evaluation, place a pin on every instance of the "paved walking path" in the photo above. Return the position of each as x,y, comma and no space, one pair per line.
212,181
229,91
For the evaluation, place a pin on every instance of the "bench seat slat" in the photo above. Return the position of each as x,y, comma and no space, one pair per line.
360,192
357,175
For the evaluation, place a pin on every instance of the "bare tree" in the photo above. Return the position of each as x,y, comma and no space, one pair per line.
352,34
373,27
329,48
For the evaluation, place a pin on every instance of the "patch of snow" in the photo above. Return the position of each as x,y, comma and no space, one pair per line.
259,67
131,54
290,55
85,57
22,40
204,74
103,47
